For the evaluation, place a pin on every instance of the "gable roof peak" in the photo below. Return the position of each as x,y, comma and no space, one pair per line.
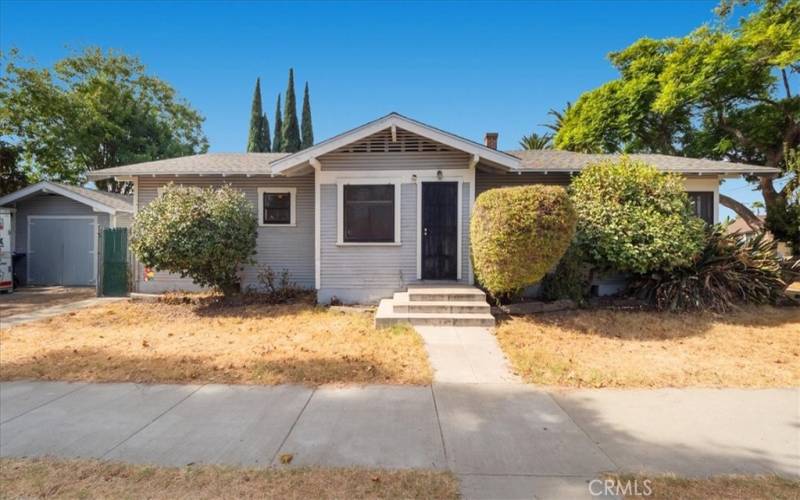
303,157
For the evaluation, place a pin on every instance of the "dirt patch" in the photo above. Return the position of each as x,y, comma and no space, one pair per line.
753,347
188,343
26,300
719,487
39,478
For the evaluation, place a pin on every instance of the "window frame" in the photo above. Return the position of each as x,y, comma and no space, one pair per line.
396,183
703,195
292,191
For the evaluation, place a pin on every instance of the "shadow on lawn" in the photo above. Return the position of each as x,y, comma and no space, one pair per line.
100,365
650,325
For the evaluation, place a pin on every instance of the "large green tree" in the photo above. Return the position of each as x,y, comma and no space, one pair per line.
265,140
307,128
536,141
277,142
720,92
12,177
290,135
93,110
255,137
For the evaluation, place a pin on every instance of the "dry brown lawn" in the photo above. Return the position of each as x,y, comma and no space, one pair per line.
754,347
51,478
181,343
720,487
25,300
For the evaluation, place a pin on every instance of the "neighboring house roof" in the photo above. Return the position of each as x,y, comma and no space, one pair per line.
513,161
742,227
204,164
568,161
101,201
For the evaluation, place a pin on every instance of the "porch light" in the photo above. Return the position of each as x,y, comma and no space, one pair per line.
414,178
439,174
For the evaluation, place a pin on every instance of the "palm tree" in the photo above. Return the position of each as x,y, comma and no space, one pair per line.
757,206
559,118
536,141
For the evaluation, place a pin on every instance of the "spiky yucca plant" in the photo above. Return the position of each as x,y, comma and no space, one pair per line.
729,271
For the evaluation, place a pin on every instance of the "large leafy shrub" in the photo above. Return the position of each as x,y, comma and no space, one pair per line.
633,218
727,272
206,234
570,279
518,234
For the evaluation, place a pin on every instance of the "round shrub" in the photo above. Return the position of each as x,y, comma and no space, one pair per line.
518,234
206,234
633,218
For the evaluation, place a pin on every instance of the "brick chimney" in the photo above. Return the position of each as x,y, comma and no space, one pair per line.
490,140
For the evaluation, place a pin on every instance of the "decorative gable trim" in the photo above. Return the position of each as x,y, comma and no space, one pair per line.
397,123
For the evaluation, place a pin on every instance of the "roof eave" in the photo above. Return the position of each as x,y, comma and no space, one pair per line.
49,187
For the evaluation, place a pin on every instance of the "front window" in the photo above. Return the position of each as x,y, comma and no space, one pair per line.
369,213
276,206
703,204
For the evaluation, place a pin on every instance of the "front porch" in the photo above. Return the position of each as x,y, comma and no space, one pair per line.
436,303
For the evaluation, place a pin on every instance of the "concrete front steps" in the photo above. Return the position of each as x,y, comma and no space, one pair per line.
450,305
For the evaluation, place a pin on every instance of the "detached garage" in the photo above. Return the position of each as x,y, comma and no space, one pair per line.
56,231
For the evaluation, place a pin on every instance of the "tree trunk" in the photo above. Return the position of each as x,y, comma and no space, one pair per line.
742,211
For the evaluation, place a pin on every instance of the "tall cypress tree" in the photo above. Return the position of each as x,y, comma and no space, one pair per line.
254,137
307,127
277,143
290,140
265,141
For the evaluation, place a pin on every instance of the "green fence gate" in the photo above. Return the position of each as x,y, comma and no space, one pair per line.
115,262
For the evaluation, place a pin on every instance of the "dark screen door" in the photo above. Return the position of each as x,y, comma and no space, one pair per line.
439,230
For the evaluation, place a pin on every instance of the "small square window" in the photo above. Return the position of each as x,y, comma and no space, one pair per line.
277,206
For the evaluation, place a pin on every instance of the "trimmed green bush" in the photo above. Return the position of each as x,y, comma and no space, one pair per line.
518,234
633,218
570,279
206,234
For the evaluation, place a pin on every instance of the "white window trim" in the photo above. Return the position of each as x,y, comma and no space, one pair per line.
340,184
292,205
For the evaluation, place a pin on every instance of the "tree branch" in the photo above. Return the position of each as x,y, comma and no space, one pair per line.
742,211
786,83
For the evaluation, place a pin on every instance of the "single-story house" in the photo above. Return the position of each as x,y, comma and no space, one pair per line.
56,228
375,209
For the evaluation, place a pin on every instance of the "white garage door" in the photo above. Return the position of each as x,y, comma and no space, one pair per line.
61,250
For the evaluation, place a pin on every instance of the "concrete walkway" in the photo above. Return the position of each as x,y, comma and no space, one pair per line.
465,355
49,312
502,440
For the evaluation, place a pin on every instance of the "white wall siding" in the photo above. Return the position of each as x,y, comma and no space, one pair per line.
290,248
466,215
366,273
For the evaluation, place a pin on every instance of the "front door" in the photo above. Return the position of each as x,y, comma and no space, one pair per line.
439,230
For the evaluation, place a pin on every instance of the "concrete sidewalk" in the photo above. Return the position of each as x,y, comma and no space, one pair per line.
502,440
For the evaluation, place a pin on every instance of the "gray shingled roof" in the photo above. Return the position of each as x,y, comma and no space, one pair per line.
555,160
112,201
122,202
207,164
544,159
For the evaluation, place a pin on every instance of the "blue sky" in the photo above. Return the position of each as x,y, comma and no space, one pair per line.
464,67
